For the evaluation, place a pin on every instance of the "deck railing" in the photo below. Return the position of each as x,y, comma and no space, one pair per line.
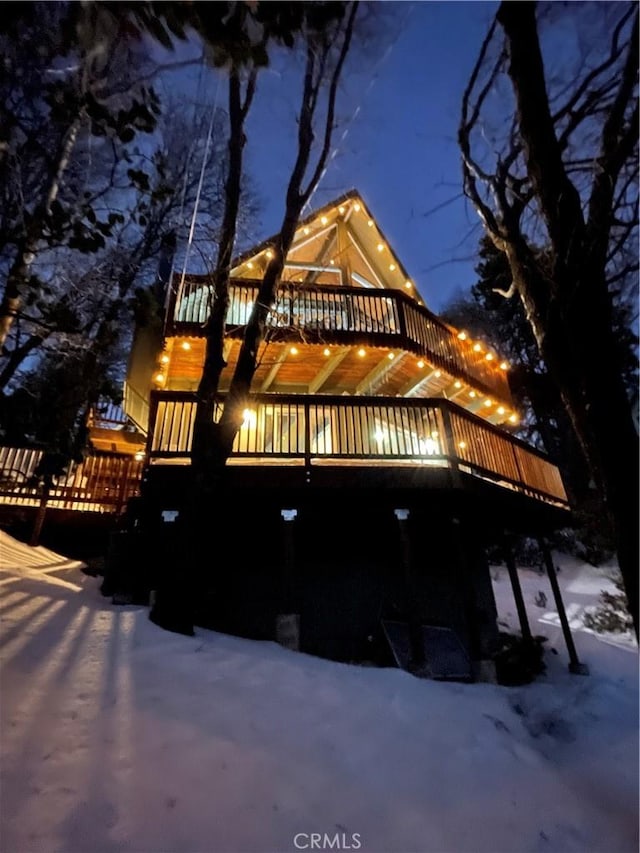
313,430
340,314
98,484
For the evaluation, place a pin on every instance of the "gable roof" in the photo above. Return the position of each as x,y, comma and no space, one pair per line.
338,243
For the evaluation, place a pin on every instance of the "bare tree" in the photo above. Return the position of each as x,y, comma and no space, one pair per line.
562,178
327,42
80,87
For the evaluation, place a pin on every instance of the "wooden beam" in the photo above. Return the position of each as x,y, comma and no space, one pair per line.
363,255
413,383
360,279
342,243
451,392
330,240
322,375
302,265
309,238
271,375
474,404
383,366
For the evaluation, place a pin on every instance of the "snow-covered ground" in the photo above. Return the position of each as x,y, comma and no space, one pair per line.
118,736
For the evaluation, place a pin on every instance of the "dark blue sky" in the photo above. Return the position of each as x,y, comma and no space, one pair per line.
399,105
400,149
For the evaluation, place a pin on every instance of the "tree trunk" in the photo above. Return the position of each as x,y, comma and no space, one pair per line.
296,198
569,306
206,456
20,271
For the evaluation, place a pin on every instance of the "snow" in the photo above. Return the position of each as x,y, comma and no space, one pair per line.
118,736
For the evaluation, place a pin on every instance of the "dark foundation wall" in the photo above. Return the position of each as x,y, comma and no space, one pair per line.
339,565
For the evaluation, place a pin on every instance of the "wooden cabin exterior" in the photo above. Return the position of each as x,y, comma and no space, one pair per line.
375,430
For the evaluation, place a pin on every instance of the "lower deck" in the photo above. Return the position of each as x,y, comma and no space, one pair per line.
335,441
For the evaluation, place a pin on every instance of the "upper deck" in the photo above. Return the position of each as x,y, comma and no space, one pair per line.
344,316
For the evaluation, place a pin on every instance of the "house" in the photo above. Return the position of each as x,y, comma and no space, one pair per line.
376,461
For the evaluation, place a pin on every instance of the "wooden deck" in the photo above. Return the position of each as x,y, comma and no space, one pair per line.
345,316
101,484
374,432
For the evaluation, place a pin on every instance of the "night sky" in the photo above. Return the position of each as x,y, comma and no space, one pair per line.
400,150
400,107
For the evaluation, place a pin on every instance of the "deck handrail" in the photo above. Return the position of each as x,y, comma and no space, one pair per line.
97,484
379,430
341,314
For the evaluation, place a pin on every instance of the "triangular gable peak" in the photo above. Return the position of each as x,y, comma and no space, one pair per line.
339,244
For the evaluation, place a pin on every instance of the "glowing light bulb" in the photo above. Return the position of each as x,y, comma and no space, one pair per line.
159,378
462,336
462,445
370,223
250,265
472,393
249,418
165,359
324,220
185,345
293,350
408,284
504,365
501,410
326,351
477,348
489,356
392,267
513,419
380,247
391,356
341,210
306,230
457,384
421,364
362,352
488,402
356,207
438,374
269,253
139,456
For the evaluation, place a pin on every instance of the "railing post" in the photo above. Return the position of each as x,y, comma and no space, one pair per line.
153,414
124,480
307,438
40,516
520,473
575,667
451,452
402,320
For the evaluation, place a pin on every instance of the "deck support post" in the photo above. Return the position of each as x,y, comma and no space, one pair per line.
575,667
38,522
517,592
287,621
413,616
